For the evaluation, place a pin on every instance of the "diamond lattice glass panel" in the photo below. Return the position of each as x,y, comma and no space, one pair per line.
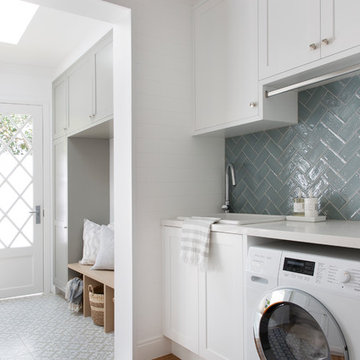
19,179
7,196
27,131
7,128
19,213
28,196
19,146
28,230
7,163
19,120
7,231
16,166
27,163
20,241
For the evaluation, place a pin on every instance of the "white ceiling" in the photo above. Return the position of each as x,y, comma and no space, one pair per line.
51,37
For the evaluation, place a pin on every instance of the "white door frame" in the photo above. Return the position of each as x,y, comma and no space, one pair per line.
120,16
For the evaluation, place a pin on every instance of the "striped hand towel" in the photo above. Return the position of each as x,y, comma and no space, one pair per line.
195,240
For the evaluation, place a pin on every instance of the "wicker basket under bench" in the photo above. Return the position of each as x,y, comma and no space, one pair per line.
94,278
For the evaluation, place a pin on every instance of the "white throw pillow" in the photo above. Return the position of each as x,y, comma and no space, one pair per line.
105,256
91,239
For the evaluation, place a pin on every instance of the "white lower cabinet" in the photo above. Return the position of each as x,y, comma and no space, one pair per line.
203,311
221,300
60,214
181,290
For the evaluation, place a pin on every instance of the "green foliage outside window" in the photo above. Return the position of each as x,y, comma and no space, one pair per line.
18,142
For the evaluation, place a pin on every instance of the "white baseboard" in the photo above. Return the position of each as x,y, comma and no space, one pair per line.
152,348
183,353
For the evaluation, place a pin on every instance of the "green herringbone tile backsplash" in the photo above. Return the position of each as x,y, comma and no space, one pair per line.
321,153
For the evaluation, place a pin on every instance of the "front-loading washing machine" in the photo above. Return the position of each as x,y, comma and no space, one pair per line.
302,303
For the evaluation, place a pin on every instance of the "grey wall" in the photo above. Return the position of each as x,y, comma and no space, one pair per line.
321,153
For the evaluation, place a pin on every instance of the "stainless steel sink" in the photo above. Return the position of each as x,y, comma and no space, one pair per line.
243,219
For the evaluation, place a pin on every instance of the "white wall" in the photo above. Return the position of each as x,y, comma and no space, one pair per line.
32,85
19,83
111,185
174,173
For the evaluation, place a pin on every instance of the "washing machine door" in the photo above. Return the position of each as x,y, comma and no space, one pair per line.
291,324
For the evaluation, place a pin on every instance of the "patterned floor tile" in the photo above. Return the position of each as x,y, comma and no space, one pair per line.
42,328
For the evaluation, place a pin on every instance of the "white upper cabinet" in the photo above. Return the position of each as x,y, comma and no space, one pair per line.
104,82
228,95
340,25
81,82
83,95
60,107
289,34
225,62
302,35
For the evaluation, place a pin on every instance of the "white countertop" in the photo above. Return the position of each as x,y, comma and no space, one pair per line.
331,232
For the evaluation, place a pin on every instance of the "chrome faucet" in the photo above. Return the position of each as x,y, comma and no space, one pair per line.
226,206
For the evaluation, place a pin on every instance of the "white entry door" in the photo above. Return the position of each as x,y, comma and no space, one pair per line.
21,198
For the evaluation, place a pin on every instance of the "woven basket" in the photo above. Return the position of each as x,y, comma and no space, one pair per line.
96,298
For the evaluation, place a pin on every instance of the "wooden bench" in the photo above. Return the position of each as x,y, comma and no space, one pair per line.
95,278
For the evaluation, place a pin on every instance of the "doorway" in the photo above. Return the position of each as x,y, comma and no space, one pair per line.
21,194
120,18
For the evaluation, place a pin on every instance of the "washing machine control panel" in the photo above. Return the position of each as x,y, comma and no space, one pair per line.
340,275
299,266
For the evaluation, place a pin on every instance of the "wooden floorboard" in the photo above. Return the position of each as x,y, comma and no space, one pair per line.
168,357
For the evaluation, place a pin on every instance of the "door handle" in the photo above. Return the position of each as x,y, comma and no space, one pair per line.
37,213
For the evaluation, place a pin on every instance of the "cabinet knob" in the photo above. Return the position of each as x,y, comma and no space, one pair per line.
65,128
325,41
313,46
65,227
252,104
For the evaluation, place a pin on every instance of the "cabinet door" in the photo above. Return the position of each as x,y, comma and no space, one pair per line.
60,215
104,82
60,178
60,103
289,34
81,79
340,25
226,62
181,293
61,257
221,300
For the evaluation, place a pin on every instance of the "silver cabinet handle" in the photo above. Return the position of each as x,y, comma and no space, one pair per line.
65,227
65,128
252,104
313,46
325,41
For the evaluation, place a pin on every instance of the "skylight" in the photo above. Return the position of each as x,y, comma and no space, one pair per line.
15,16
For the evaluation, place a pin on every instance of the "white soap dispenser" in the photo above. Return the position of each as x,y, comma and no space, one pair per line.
311,206
299,209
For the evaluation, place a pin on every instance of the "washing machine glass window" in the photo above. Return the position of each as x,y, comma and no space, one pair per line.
292,325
